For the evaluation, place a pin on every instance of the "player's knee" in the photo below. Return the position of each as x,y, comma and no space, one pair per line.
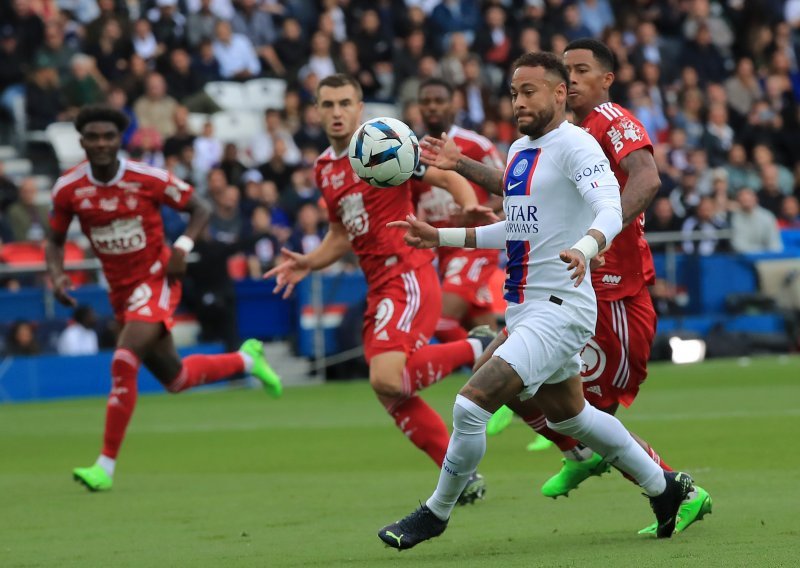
387,386
468,417
177,384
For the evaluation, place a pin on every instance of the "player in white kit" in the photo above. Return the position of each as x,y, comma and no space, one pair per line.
562,205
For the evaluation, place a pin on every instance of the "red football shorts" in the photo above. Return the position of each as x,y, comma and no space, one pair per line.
402,312
467,273
154,300
615,359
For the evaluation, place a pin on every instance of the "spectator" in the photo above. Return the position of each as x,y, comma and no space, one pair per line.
44,100
222,9
689,117
281,224
754,228
156,108
205,64
112,51
235,54
301,191
135,80
596,15
28,28
704,56
200,25
145,43
184,84
8,189
12,71
452,64
478,96
685,197
257,26
705,221
373,45
662,219
80,337
573,27
85,85
320,62
182,136
649,114
216,182
146,146
718,137
678,153
350,62
649,48
743,88
21,339
265,249
310,133
741,173
770,197
290,49
107,12
276,168
169,25
231,165
764,157
308,233
262,147
790,213
54,53
452,16
27,219
225,225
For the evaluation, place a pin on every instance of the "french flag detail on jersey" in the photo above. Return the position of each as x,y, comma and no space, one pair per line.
517,182
594,184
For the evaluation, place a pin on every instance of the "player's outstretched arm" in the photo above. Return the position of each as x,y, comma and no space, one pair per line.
54,257
445,155
199,214
297,266
642,185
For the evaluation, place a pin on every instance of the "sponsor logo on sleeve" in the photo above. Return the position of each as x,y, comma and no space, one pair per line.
597,169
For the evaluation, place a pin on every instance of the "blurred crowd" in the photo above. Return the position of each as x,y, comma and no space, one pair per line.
716,85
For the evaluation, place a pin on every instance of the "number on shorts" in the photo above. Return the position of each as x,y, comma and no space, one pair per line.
140,297
384,314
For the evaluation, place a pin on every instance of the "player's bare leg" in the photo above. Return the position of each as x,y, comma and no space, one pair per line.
396,379
150,343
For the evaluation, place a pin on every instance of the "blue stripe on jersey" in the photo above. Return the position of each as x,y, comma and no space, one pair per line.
517,179
516,270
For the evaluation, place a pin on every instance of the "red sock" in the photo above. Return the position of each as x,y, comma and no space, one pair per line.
449,329
203,369
656,458
432,363
422,425
121,401
538,422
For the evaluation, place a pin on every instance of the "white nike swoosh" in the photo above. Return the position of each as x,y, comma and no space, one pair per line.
512,185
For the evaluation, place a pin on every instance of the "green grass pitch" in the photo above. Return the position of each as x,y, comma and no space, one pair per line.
232,478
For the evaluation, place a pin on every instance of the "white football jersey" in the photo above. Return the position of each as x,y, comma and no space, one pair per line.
553,187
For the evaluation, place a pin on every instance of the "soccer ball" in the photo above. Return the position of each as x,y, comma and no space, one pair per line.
384,152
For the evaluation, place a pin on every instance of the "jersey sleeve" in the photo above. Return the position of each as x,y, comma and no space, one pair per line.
623,135
174,192
588,166
61,212
330,207
491,158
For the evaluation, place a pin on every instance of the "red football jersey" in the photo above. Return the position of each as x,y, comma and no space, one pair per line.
364,211
121,218
629,262
436,204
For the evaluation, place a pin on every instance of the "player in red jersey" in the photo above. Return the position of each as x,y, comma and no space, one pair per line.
117,203
615,359
403,298
465,273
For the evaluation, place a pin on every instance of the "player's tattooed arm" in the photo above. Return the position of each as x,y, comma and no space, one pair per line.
54,257
486,176
642,185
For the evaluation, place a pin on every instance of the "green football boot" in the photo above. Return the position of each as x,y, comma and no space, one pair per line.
539,444
499,421
572,474
261,369
696,506
94,478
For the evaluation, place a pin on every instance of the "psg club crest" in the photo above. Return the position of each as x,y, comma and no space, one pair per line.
520,168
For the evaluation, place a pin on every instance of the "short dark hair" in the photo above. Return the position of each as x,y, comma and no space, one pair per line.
436,82
101,113
602,53
546,59
340,80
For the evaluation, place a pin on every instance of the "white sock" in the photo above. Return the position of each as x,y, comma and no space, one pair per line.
477,347
466,448
608,437
248,361
107,464
579,453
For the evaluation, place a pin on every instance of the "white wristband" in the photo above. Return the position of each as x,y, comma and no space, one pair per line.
452,237
588,246
184,243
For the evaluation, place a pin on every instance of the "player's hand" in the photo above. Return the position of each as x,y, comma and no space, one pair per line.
418,234
575,262
60,286
598,261
441,152
489,352
475,216
176,267
289,272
